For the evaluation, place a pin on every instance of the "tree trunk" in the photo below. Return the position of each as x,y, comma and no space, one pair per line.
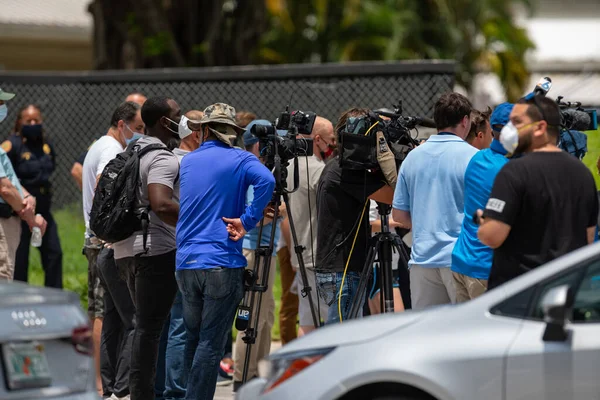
176,33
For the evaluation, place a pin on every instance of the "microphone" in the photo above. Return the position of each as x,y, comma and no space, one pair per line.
427,122
542,88
242,318
576,120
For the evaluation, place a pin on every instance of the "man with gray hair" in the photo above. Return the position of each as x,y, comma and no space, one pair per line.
213,219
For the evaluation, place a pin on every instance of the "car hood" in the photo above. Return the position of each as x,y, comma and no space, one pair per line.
351,332
18,293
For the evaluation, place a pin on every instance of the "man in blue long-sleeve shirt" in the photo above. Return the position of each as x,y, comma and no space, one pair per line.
213,218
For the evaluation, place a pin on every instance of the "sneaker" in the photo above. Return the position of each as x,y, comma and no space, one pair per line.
115,397
224,381
226,368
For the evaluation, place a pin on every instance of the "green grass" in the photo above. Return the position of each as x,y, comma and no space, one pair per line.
70,230
590,159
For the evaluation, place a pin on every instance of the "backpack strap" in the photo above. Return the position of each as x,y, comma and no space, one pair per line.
145,215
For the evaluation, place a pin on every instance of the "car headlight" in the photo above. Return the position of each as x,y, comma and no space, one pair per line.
279,369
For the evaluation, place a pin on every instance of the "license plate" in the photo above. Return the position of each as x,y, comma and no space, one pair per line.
26,365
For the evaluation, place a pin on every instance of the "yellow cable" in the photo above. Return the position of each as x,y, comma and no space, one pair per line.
372,126
349,257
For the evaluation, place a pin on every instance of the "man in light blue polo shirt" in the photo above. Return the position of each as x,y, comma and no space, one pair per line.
471,259
429,197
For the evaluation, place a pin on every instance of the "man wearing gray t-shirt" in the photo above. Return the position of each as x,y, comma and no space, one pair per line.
150,267
175,375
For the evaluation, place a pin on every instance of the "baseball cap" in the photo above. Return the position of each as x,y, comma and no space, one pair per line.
501,115
249,138
4,96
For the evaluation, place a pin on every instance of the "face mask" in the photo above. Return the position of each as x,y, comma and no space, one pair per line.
32,132
134,135
325,155
183,128
509,137
174,128
3,112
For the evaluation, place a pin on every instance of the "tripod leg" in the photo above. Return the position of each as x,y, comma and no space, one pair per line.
361,291
385,262
306,289
264,254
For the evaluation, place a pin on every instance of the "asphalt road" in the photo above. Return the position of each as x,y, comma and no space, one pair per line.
225,392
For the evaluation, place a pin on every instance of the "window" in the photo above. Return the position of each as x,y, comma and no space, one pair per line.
516,306
569,279
586,307
585,283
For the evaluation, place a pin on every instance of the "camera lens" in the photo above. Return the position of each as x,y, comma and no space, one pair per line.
262,131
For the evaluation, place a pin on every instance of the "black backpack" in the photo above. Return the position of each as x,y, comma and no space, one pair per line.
115,215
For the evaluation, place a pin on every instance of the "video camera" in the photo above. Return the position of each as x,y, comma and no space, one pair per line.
574,120
573,116
281,138
358,140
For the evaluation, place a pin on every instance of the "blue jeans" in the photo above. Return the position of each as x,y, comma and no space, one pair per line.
175,373
210,298
328,286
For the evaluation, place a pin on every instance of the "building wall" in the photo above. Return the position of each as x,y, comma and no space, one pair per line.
45,54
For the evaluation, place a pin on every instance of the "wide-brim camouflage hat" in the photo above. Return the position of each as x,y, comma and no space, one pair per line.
218,113
223,114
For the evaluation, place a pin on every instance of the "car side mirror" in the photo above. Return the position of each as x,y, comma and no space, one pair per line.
556,305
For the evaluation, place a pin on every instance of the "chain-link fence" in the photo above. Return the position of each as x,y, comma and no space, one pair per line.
77,106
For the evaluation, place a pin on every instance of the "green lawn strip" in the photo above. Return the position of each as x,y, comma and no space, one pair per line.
70,230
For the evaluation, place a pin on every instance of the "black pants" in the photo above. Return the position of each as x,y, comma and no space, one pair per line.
151,282
118,324
50,251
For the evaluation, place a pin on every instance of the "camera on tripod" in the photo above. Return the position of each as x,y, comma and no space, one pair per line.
358,141
286,145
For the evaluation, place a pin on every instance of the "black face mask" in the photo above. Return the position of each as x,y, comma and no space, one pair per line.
32,133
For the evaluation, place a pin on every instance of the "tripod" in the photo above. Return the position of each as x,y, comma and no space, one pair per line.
381,245
264,253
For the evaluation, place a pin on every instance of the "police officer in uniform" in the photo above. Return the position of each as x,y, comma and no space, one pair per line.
33,159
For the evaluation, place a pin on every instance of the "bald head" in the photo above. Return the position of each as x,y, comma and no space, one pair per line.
136,98
324,141
323,128
194,115
192,142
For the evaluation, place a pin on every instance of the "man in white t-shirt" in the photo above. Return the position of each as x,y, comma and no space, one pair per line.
126,125
303,208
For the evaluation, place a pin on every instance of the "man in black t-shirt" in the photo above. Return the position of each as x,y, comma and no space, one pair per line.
343,228
544,204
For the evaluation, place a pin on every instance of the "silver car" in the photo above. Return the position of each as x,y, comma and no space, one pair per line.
535,337
46,345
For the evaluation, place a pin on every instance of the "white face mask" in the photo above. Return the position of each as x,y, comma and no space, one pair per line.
3,112
183,128
509,137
